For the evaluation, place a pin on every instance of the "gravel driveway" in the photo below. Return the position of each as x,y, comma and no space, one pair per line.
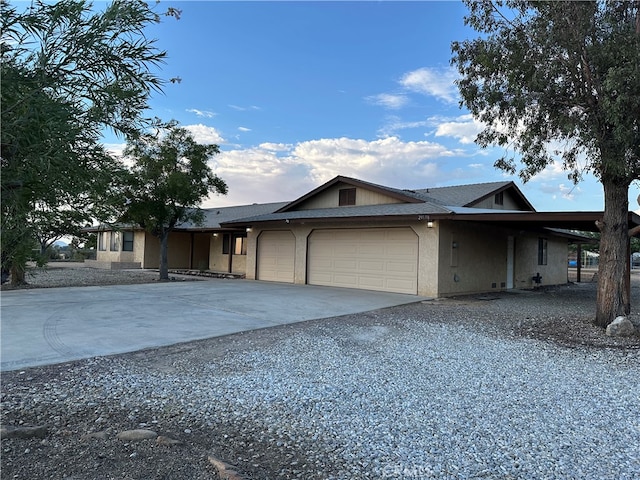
513,385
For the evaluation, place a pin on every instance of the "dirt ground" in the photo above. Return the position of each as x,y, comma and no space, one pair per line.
78,438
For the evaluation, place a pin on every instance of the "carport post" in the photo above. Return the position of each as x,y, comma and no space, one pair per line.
627,281
579,263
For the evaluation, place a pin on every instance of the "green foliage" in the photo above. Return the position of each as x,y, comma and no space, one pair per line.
169,180
562,72
560,81
68,72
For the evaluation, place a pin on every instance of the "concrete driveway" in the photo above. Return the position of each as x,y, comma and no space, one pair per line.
55,325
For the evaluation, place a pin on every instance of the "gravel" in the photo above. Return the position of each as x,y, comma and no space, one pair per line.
472,387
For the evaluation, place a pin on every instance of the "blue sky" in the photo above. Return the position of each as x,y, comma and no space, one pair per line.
295,93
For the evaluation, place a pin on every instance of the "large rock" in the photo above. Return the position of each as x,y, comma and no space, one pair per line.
23,432
621,327
137,435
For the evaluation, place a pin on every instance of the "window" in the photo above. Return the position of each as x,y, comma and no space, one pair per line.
102,241
240,245
127,241
226,241
499,200
114,244
542,251
347,196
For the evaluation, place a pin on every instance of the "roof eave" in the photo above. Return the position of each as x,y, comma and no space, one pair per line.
354,182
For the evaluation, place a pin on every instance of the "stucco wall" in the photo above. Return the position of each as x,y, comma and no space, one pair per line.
508,203
109,256
473,258
179,250
218,262
427,245
329,198
478,263
553,273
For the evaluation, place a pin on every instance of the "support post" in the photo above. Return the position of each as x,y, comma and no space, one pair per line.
579,264
627,281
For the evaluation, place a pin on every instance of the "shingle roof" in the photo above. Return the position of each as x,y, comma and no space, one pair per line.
214,217
364,211
460,195
430,201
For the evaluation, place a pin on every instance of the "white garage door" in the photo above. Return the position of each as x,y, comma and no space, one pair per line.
384,259
276,254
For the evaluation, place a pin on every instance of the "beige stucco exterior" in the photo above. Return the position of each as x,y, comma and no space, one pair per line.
329,198
478,263
185,250
452,257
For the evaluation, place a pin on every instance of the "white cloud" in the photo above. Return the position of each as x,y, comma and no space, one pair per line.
115,148
395,124
276,147
464,128
244,109
278,172
205,134
244,129
557,191
436,82
201,113
388,100
376,160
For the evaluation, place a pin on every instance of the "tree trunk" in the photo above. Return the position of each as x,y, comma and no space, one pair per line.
614,240
17,276
164,259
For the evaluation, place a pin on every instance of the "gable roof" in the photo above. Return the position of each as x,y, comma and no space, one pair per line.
403,195
469,195
421,203
215,217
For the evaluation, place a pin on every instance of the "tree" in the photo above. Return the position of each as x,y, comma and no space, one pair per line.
565,74
68,72
169,180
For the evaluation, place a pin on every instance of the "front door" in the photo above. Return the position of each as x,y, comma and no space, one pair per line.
511,248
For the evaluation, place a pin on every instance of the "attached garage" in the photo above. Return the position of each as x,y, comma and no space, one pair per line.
384,259
276,256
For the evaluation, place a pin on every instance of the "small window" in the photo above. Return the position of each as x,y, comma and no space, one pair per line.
114,245
240,247
542,251
226,242
102,241
127,241
347,196
499,200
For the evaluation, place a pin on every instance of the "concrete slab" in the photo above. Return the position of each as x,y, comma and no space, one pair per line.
55,325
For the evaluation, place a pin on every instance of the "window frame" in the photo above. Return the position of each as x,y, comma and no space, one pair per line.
543,250
226,243
499,198
102,243
347,197
240,245
126,242
114,242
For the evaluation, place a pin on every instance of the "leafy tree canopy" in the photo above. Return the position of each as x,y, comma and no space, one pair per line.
68,72
561,81
168,181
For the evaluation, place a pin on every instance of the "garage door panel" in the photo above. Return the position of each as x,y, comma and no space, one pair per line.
371,250
383,259
371,266
401,267
276,256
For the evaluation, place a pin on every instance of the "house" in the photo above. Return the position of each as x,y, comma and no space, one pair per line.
355,234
